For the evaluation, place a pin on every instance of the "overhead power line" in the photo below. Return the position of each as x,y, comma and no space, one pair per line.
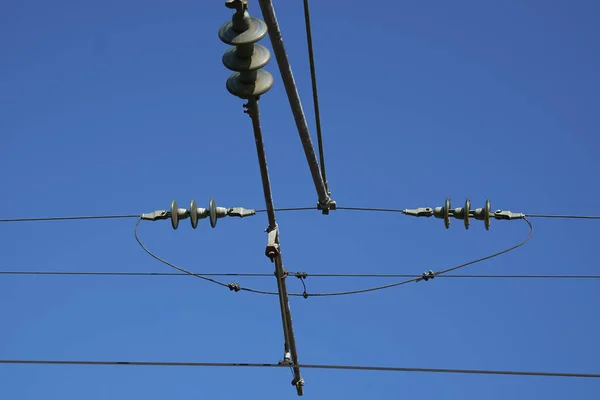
308,366
563,216
70,218
284,209
308,275
424,277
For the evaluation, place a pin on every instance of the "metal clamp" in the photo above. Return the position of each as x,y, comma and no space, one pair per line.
327,206
272,250
499,214
240,212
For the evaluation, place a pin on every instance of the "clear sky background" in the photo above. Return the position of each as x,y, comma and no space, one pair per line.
118,107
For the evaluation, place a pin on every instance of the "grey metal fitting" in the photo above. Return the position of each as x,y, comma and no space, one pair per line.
240,212
419,212
272,249
499,214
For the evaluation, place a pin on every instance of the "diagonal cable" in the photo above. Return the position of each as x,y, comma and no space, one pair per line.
309,366
315,92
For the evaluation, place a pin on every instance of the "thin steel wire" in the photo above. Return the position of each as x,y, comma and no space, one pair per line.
563,216
394,210
350,292
309,366
373,209
70,218
316,275
135,232
436,273
315,92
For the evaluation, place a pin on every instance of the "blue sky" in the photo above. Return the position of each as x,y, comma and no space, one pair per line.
120,107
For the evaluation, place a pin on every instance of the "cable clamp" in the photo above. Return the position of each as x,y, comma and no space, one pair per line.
301,275
234,287
427,276
299,384
419,212
272,250
508,215
156,215
240,212
326,206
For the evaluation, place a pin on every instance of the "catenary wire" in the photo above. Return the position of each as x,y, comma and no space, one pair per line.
315,92
316,275
71,218
284,209
563,216
308,366
168,263
436,273
351,292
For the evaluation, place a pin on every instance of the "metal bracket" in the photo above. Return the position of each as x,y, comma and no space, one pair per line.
272,249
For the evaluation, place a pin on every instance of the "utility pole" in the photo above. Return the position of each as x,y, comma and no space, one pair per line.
249,82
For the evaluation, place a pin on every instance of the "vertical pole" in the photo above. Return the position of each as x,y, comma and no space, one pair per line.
286,316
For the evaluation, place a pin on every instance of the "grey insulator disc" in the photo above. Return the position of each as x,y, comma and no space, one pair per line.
486,214
466,210
174,214
259,59
264,82
447,213
212,212
256,31
194,214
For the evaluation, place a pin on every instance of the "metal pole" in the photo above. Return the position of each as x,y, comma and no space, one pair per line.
287,76
286,316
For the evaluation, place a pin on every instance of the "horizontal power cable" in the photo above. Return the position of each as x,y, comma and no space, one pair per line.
316,275
284,209
563,216
71,218
309,366
124,216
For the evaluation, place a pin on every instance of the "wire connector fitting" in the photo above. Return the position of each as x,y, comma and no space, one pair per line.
234,287
272,249
327,206
299,384
155,215
427,276
499,214
419,212
240,212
